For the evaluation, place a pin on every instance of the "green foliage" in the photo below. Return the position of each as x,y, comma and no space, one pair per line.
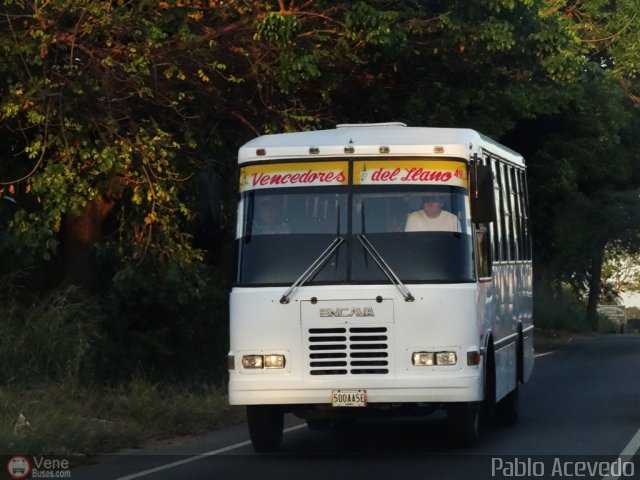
63,420
53,339
291,66
168,321
278,29
562,311
559,310
109,110
606,325
620,272
95,120
364,23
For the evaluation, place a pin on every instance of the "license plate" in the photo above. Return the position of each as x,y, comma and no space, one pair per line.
349,398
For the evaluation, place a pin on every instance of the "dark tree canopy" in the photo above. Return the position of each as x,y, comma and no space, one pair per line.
110,111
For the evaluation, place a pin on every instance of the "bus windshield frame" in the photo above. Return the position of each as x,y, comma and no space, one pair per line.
282,231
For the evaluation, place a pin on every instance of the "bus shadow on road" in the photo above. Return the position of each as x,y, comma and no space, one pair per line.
374,437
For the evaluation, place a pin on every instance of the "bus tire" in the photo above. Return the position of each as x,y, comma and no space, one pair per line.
507,408
463,424
487,409
506,411
266,425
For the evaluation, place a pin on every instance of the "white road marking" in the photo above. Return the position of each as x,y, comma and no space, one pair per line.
627,454
538,355
195,458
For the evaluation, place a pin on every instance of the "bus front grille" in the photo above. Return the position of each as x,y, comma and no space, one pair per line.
348,350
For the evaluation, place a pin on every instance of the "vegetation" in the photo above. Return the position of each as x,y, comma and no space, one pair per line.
60,420
120,120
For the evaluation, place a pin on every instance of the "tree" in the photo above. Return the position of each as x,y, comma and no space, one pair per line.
98,109
600,177
102,116
620,273
108,109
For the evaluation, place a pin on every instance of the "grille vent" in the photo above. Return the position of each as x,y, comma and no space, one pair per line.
353,350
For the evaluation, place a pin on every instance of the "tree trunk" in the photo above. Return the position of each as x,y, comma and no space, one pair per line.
595,285
79,236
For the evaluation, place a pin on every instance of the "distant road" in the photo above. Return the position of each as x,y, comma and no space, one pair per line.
578,414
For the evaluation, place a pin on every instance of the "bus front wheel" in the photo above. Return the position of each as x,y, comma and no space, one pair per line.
463,424
266,424
507,408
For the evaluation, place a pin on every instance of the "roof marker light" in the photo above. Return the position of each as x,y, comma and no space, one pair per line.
314,150
261,152
349,149
438,149
384,149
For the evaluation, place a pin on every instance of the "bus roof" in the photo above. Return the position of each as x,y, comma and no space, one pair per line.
378,139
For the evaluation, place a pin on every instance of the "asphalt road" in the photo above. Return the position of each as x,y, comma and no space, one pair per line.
579,418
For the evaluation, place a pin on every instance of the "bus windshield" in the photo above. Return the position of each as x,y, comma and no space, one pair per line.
422,233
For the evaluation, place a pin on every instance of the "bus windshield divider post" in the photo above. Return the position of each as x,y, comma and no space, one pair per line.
315,266
386,268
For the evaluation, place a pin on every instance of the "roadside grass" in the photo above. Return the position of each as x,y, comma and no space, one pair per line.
58,419
563,313
75,380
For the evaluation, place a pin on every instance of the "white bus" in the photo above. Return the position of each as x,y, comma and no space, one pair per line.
381,269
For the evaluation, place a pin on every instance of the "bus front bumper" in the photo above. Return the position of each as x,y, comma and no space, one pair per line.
445,390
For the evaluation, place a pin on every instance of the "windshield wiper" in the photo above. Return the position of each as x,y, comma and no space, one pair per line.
386,269
311,271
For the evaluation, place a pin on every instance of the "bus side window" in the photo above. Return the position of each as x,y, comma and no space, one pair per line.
483,247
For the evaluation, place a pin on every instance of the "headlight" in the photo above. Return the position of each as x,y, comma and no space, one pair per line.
263,361
252,361
428,359
446,358
422,359
274,361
